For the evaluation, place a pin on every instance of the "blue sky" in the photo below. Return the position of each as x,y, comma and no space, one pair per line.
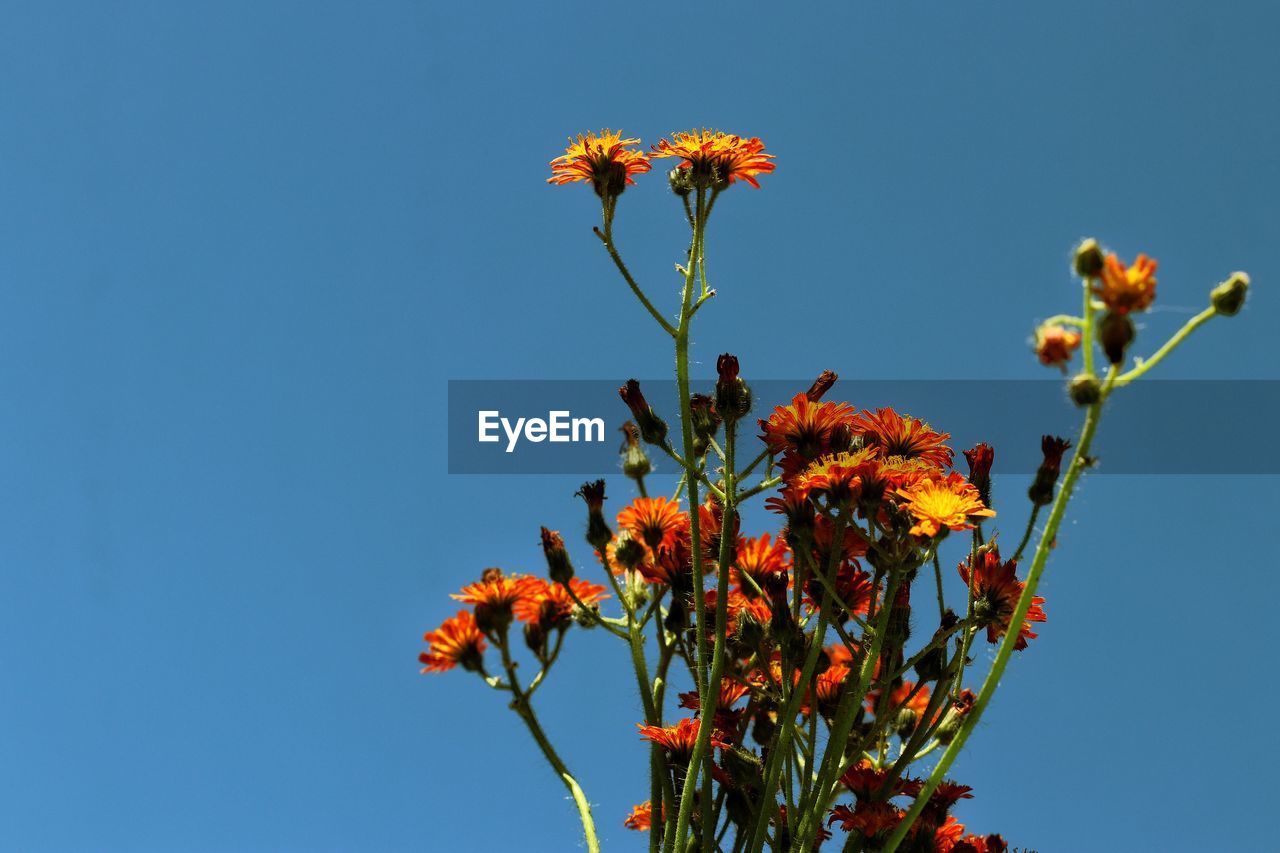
244,246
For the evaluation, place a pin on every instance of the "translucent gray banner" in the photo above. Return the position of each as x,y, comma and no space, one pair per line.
508,426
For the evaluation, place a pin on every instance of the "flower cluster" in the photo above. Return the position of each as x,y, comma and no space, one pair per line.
808,698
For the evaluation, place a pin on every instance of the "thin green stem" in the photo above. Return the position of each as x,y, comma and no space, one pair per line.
606,237
1169,346
1079,461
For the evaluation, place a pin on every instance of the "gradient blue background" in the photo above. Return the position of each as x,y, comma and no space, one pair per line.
243,247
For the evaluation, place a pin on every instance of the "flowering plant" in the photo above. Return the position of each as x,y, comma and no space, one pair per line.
811,706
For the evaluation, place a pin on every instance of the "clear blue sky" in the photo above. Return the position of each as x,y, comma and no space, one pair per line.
244,245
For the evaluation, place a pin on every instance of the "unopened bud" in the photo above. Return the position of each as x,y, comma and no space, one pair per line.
1041,491
598,532
1115,333
681,183
1228,297
705,420
559,568
629,551
980,458
653,429
1088,260
733,397
906,723
535,638
1085,390
821,385
635,462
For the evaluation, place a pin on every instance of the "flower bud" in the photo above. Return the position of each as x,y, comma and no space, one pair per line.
1085,390
733,397
629,551
1088,259
1228,297
1115,333
653,429
821,385
598,532
680,181
1055,345
705,420
535,638
559,568
980,458
635,462
905,724
1041,491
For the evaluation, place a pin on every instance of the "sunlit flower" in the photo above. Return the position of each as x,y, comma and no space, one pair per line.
1055,344
712,156
826,688
1124,289
803,431
656,522
947,836
678,739
904,696
853,585
761,559
996,590
838,476
494,589
901,435
549,604
737,605
641,817
602,159
457,642
943,503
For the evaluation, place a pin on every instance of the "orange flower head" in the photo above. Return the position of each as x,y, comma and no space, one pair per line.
493,596
457,642
641,817
863,780
826,688
549,605
838,476
761,559
868,817
1124,289
602,159
947,836
949,503
677,740
996,590
731,690
1055,344
657,522
902,698
804,431
901,435
715,158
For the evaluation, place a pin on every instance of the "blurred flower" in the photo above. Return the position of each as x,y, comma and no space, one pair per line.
1124,289
1055,344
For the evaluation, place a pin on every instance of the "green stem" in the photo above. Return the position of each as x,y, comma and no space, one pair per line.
1169,346
691,486
1086,327
606,237
1079,461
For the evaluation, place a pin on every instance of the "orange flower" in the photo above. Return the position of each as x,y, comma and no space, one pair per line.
839,476
731,690
1126,289
947,836
803,431
494,590
1055,344
641,817
996,590
736,605
656,522
549,604
852,584
760,559
456,642
602,159
869,818
712,156
901,698
826,688
900,435
943,503
863,780
677,740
